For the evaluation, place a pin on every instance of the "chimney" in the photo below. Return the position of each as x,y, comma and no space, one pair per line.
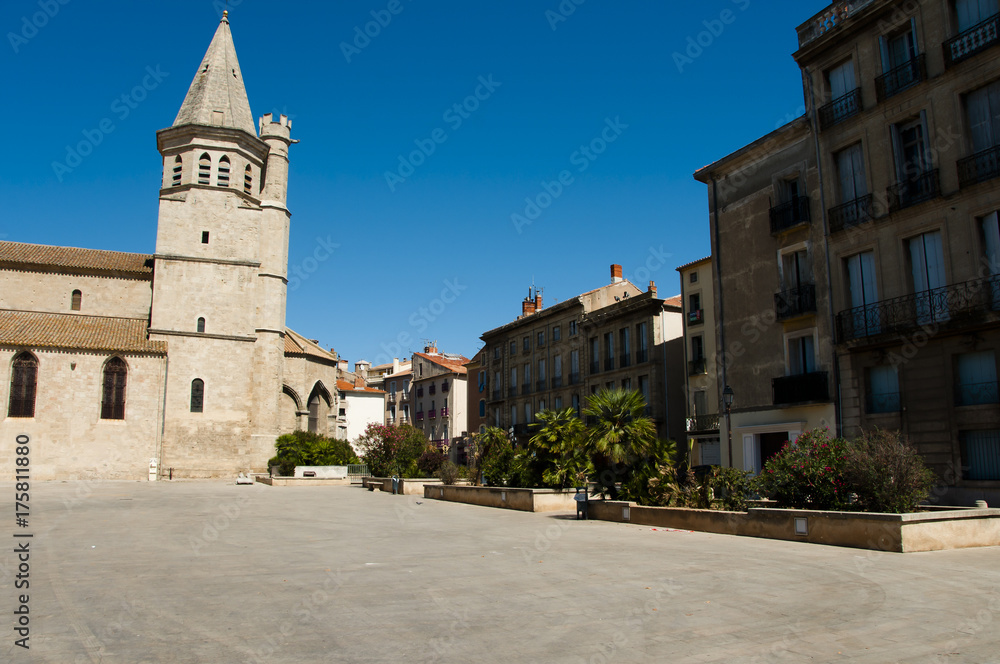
616,274
538,302
528,306
432,349
395,365
652,288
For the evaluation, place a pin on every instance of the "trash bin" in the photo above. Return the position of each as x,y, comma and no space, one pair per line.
582,502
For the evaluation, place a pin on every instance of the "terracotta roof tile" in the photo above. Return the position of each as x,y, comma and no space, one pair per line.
348,386
296,344
41,330
455,363
675,301
73,257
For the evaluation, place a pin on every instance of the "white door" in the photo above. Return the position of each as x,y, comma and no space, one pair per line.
751,453
842,80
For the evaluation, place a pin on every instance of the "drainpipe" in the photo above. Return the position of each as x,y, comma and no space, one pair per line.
837,402
720,353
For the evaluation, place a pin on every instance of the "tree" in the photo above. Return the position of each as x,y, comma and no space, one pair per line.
494,456
559,448
620,434
391,450
305,448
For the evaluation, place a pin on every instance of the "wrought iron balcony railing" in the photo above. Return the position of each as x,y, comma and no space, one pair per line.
886,402
420,416
595,367
901,78
432,414
432,389
540,385
840,109
609,363
790,214
445,386
923,187
802,388
975,40
624,361
703,423
574,378
405,397
511,391
976,394
698,366
526,389
795,302
956,305
420,391
444,412
497,395
980,167
392,397
852,213
557,382
641,355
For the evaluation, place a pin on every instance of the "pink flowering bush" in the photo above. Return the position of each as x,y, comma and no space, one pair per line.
809,474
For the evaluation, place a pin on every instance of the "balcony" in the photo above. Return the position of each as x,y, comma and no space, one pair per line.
901,78
975,40
556,382
923,187
574,378
698,367
624,361
444,412
432,389
803,388
609,364
980,167
432,414
641,355
958,305
405,397
886,402
497,395
840,109
445,386
703,423
829,19
540,386
420,416
790,214
511,392
420,391
853,213
696,317
976,394
404,420
392,397
595,367
795,302
525,389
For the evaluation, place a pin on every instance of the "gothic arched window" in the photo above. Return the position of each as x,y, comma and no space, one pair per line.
197,395
178,171
224,167
113,395
205,169
248,180
76,301
23,382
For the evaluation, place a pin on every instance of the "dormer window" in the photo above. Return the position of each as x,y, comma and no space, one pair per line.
76,301
178,171
248,180
224,167
205,169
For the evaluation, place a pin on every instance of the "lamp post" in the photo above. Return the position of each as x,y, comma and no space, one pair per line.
727,400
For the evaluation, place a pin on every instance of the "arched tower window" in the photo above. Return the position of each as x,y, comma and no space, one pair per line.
313,424
197,395
113,396
205,169
201,324
23,382
178,171
224,167
76,301
248,180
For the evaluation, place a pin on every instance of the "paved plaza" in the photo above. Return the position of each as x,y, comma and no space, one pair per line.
134,573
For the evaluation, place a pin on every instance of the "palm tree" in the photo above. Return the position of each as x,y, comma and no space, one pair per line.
621,433
559,446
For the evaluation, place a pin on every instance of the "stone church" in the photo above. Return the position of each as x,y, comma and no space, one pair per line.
116,361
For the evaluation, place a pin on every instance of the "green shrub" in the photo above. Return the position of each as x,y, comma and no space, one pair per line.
305,448
391,450
496,458
811,474
430,461
887,474
448,472
731,487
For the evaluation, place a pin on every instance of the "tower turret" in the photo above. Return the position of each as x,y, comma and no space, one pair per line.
277,134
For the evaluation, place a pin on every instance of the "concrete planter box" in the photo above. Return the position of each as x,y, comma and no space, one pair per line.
302,481
525,500
408,487
936,530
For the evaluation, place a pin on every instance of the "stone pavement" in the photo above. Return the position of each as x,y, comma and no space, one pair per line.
134,573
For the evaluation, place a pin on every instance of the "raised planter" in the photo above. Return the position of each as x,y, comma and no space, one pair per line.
937,530
525,500
302,481
408,486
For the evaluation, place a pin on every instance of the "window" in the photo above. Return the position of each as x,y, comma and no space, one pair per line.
845,96
982,109
178,172
927,263
496,417
851,173
113,395
556,333
609,351
700,403
882,384
496,352
248,180
557,371
572,328
693,278
527,413
541,374
541,405
991,242
23,383
642,338
204,237
902,66
980,455
796,271
971,13
627,384
76,300
841,80
201,324
801,355
558,403
624,339
916,178
512,385
698,364
541,339
595,356
864,318
576,404
496,385
205,169
513,348
224,167
526,344
482,408
527,379
513,415
482,382
197,395
977,379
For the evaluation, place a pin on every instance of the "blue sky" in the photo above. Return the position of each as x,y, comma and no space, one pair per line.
618,100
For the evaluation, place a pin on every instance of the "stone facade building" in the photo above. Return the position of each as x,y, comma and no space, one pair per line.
179,358
616,336
438,395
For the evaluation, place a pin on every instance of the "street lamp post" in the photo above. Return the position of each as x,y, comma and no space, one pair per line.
727,399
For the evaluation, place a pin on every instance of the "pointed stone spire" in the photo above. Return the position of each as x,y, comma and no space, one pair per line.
217,95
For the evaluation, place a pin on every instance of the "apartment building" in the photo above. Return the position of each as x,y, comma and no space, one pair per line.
439,394
614,336
397,394
905,101
703,392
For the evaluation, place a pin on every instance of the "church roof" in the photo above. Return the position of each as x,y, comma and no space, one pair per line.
217,95
296,344
73,331
72,257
